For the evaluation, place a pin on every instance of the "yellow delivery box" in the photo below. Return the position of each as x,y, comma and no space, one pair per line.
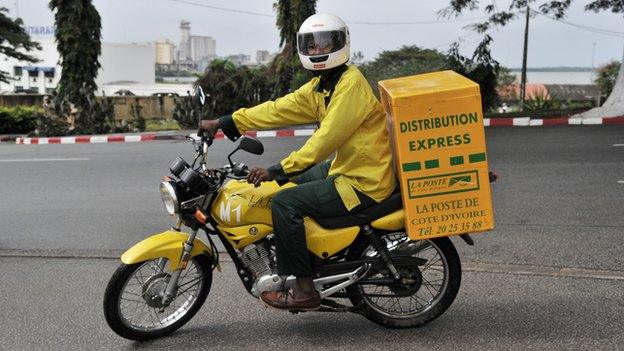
435,122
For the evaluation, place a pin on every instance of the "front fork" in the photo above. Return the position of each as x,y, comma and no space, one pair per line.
172,285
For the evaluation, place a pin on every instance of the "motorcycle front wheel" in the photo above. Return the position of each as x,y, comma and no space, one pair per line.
133,298
430,293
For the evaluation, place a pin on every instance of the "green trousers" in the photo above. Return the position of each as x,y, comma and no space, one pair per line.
314,196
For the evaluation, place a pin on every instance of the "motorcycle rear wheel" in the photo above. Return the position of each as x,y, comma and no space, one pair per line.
410,306
128,312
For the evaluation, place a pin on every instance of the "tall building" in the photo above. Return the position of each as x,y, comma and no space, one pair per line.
202,48
184,53
164,52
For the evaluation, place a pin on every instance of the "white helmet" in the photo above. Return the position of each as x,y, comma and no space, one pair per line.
323,42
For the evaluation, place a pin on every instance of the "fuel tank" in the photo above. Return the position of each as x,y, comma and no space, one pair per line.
240,203
243,215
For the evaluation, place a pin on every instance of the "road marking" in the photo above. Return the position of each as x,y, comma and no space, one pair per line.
545,271
616,145
45,159
620,181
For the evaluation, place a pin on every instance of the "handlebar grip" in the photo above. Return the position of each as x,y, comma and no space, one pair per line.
240,170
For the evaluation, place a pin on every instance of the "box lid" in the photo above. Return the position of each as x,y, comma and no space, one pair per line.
402,91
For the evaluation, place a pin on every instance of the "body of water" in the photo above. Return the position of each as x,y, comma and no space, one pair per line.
580,77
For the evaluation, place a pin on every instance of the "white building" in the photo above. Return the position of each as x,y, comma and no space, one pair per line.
127,63
184,52
202,47
164,52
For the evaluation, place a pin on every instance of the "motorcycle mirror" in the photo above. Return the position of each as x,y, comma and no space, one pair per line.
251,145
200,97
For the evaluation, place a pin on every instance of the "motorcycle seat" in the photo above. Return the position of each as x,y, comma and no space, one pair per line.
391,204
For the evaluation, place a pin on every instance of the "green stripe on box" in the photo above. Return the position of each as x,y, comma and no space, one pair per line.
413,166
480,157
432,164
457,160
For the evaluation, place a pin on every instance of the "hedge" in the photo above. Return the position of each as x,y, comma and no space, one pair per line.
19,119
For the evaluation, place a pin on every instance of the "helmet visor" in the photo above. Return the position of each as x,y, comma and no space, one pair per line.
321,43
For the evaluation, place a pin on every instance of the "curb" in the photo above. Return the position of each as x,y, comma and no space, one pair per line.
488,122
559,121
86,139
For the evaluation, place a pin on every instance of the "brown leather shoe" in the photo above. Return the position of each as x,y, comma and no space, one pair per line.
286,300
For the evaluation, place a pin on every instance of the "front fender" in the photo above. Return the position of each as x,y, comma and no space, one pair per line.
167,244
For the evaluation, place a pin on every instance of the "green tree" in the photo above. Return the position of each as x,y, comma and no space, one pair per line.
14,41
505,77
405,61
287,69
481,68
229,88
606,76
501,16
410,60
78,35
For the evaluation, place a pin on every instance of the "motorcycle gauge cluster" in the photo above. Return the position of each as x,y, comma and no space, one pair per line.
189,177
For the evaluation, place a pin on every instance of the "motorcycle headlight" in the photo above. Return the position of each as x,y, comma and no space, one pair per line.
169,197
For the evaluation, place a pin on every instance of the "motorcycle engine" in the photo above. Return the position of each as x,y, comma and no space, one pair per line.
260,261
256,259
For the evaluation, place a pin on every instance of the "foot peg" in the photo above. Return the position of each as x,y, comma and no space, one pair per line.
351,277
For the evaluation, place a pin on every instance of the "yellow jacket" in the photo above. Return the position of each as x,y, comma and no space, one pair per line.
353,125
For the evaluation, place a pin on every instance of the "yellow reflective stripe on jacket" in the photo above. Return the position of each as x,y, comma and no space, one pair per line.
353,126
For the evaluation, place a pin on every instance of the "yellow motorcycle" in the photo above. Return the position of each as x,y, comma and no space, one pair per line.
363,263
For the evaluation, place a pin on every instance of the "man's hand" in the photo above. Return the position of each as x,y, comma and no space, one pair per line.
258,175
209,126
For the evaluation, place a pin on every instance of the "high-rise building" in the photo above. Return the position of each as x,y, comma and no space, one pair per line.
164,52
202,48
185,41
262,56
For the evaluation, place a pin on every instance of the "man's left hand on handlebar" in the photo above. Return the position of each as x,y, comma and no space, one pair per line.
209,126
258,175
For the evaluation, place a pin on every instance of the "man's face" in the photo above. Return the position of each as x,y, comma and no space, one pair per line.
320,47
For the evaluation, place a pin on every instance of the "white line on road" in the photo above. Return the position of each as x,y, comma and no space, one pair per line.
45,159
618,145
620,181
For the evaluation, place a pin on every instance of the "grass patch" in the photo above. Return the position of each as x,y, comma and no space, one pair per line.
157,125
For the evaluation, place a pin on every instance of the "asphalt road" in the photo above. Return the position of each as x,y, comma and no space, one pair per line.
558,204
58,306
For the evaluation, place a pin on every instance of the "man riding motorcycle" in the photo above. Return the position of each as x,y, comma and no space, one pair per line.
352,124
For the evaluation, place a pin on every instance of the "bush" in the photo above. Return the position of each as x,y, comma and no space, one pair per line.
19,119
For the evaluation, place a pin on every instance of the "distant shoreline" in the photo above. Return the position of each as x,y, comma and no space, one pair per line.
554,69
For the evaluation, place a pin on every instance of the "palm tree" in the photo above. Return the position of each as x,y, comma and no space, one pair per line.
289,74
78,35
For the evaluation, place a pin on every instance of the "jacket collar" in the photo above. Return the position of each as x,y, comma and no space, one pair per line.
329,78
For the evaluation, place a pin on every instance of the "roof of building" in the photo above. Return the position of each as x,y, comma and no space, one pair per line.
564,92
573,91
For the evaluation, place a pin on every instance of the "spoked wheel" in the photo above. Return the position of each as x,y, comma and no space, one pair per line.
133,300
425,291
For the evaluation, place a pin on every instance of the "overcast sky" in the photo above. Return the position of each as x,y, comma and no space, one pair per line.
550,43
